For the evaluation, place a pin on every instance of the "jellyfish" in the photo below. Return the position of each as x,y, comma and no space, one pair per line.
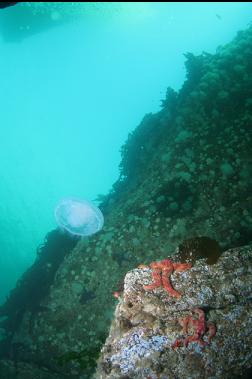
79,217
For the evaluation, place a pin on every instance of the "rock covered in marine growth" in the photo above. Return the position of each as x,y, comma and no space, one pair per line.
206,333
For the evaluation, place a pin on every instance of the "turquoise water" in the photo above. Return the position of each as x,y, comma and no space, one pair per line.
75,79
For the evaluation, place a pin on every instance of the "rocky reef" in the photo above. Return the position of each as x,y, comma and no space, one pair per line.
186,172
205,333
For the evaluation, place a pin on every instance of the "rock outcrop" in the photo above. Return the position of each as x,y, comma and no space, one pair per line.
151,335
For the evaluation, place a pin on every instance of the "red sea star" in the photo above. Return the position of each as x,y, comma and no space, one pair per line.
199,327
161,272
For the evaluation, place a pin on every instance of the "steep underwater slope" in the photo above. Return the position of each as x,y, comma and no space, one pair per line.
185,172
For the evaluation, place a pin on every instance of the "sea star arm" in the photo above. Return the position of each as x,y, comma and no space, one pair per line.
156,276
166,273
179,267
200,323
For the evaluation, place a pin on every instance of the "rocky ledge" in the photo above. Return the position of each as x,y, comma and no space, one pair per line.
203,330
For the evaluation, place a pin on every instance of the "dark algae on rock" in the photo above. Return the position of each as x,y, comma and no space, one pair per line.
185,175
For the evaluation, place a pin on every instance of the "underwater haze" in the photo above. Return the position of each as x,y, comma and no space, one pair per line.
75,80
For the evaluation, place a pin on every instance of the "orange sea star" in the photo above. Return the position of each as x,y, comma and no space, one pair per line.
198,327
161,272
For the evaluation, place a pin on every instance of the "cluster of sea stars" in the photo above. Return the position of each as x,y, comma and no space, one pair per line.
193,328
198,327
161,272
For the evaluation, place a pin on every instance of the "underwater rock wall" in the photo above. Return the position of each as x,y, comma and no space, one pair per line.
186,171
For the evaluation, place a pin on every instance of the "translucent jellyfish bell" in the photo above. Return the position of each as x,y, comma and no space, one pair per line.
79,217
